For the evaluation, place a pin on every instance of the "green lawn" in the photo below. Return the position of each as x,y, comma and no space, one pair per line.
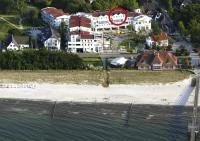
93,77
4,27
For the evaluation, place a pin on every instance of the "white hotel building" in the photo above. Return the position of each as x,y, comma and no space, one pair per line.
139,21
86,29
100,20
81,37
54,17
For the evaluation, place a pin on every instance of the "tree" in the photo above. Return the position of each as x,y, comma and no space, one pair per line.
20,6
62,34
31,16
6,6
195,33
155,28
129,27
182,28
129,4
168,4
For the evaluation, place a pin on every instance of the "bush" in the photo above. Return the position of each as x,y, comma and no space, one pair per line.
39,59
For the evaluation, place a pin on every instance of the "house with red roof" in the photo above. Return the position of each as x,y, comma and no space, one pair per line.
139,21
81,37
54,16
162,60
158,40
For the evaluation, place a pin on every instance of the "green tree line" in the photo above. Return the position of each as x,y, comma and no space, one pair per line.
39,60
188,22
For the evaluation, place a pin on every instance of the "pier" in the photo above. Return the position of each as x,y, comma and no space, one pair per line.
193,127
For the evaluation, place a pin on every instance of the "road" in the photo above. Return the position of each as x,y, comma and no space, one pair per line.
15,26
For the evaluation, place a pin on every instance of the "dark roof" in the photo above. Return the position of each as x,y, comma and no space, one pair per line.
22,39
11,39
1,45
145,59
47,33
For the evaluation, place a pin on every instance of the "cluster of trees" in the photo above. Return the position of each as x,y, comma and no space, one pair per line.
182,52
188,21
73,6
39,59
168,5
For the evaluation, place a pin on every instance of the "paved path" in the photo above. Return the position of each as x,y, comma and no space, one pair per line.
16,26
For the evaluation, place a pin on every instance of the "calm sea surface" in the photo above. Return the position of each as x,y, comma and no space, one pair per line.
35,121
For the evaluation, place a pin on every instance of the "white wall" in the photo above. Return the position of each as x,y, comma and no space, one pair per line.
52,43
12,46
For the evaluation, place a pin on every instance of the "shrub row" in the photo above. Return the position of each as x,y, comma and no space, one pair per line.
39,59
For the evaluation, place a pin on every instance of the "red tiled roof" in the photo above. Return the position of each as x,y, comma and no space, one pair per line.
54,11
79,33
168,58
163,58
79,21
84,36
157,59
162,36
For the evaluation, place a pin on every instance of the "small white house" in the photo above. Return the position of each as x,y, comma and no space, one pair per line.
51,39
17,42
54,16
157,40
141,23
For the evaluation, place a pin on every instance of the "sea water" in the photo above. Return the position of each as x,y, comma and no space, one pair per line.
34,121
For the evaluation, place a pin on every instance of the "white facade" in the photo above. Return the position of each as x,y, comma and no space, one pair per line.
23,46
99,20
141,23
52,43
79,43
102,22
54,17
80,28
159,43
13,46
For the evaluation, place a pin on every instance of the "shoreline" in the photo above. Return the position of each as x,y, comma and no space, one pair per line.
175,93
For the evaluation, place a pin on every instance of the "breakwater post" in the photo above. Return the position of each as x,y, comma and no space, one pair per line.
53,110
106,81
193,128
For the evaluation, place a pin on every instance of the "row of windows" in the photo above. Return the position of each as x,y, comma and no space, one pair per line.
143,22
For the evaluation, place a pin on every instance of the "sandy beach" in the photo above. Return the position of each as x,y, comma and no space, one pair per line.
179,93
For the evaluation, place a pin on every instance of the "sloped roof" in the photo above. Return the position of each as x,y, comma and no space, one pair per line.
79,33
79,21
11,39
84,36
22,39
54,11
162,36
162,57
48,33
145,59
157,59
